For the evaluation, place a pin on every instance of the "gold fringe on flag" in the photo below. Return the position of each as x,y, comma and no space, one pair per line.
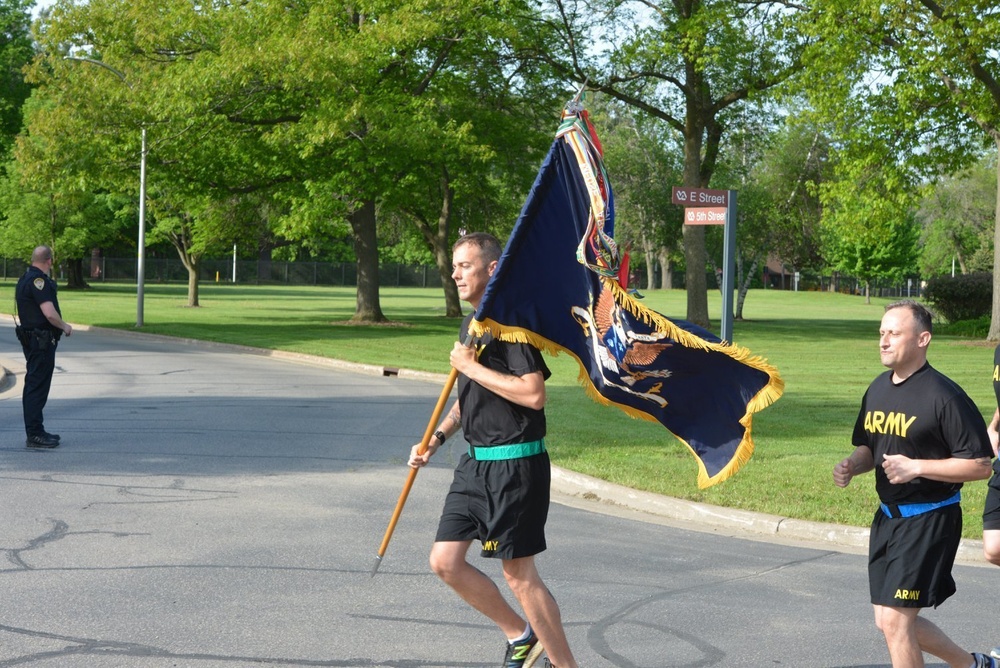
761,400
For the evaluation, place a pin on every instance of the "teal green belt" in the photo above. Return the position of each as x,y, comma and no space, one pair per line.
499,452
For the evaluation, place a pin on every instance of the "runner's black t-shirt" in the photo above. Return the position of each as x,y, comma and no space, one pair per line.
927,416
487,418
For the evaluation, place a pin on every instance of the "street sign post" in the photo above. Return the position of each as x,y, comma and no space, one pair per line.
704,206
729,268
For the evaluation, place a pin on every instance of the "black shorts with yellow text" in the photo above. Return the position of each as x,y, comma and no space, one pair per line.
991,509
502,503
910,558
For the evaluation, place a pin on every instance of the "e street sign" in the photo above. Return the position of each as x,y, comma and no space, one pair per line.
700,197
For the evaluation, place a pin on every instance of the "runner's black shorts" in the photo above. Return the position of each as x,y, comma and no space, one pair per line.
991,509
910,558
503,504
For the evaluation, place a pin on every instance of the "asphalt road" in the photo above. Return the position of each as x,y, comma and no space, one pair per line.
212,508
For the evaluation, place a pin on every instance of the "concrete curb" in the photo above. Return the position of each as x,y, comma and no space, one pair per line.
706,517
698,516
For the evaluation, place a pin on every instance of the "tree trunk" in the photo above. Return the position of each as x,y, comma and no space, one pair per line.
192,268
741,295
74,275
666,271
650,268
366,251
695,256
452,303
191,261
264,263
694,275
994,333
437,238
52,222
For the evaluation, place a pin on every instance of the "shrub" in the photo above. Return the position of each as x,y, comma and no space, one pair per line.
972,329
964,297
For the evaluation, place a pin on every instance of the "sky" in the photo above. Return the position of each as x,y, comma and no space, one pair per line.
39,6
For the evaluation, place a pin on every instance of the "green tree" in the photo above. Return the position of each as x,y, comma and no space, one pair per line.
956,214
472,152
869,227
920,77
886,251
644,162
689,63
43,203
776,166
16,51
333,111
792,168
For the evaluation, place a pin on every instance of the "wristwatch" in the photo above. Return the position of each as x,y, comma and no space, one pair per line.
439,435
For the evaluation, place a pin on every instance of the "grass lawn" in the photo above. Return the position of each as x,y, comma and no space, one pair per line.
824,345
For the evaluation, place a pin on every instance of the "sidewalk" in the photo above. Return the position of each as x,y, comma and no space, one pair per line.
579,490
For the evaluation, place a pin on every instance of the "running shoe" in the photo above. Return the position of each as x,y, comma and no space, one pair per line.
985,661
522,654
995,652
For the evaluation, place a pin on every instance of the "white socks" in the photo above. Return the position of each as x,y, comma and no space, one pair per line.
527,634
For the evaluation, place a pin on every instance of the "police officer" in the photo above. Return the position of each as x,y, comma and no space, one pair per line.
40,329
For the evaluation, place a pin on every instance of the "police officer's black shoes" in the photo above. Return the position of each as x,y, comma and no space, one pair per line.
43,441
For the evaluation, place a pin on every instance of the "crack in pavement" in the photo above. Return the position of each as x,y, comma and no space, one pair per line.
58,531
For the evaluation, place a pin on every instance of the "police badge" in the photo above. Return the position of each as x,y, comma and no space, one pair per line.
39,283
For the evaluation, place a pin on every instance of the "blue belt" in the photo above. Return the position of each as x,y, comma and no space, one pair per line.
914,509
499,452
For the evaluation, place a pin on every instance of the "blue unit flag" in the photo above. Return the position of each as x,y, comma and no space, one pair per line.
558,286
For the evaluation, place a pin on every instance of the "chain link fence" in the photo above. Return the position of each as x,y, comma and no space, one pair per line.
274,272
798,282
253,272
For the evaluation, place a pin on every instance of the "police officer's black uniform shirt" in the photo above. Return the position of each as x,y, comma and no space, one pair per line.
34,289
487,418
927,416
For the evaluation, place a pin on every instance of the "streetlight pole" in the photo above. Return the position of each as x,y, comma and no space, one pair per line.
140,274
140,269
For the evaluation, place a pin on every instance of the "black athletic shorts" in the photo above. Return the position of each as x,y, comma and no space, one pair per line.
991,510
503,504
910,558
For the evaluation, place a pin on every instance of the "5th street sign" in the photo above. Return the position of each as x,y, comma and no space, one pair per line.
700,197
709,215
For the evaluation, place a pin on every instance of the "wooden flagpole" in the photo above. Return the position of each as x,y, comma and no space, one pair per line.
435,418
